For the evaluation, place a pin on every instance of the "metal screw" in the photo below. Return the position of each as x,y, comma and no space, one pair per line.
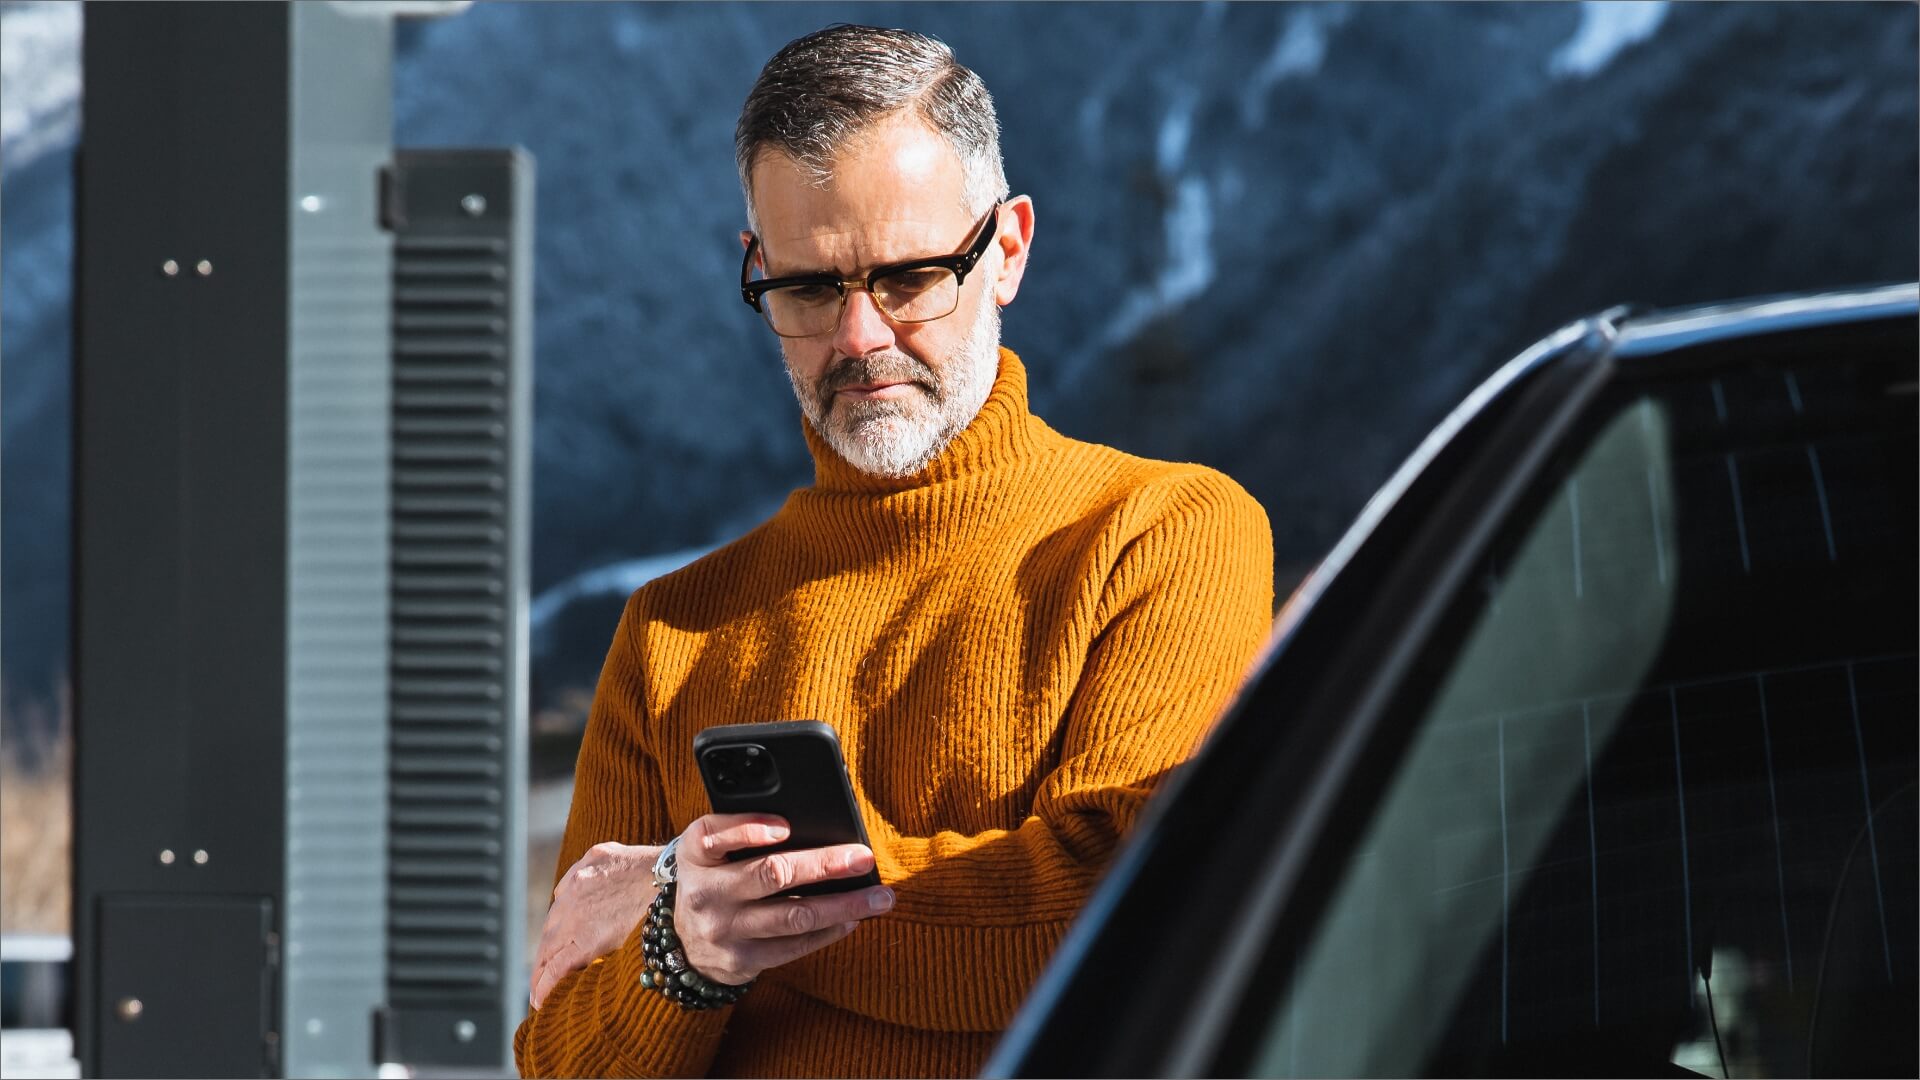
200,857
129,1009
166,856
465,1030
204,267
312,204
170,268
474,205
315,1027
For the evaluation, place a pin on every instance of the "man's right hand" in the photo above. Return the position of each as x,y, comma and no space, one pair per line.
730,918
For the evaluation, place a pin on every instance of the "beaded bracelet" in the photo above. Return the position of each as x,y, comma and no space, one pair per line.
667,968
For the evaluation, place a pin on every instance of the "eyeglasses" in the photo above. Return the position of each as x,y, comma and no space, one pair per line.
916,291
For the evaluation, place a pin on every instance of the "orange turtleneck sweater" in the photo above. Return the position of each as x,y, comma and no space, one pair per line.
1014,645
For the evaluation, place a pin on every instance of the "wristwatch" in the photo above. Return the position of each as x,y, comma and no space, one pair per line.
667,864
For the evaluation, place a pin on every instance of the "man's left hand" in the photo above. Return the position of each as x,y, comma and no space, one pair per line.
597,904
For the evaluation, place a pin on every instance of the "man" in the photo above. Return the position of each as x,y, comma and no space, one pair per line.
1016,636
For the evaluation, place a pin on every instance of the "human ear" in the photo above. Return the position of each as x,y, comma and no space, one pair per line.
1014,238
746,244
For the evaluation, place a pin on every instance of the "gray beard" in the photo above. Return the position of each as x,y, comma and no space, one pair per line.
899,438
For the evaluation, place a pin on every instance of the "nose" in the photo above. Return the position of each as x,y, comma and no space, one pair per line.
862,328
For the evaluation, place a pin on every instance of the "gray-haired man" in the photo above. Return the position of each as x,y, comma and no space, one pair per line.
1015,635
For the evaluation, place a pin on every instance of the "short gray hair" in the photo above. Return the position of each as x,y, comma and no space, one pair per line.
822,90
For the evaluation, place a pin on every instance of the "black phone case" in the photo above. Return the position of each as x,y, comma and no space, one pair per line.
814,794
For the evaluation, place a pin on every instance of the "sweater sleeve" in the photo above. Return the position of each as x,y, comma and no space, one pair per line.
599,1021
1185,609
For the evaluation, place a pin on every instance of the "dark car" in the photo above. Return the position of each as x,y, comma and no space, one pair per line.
1589,751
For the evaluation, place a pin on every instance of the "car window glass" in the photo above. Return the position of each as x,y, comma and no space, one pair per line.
1663,783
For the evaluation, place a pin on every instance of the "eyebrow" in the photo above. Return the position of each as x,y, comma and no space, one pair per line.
836,274
977,236
808,272
829,271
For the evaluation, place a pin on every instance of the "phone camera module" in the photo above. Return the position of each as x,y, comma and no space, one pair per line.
743,771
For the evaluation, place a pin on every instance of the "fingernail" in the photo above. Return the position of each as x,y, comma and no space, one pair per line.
880,899
776,834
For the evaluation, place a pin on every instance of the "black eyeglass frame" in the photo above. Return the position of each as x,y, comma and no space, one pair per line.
960,264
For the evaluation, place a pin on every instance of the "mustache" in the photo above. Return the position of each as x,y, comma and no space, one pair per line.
885,367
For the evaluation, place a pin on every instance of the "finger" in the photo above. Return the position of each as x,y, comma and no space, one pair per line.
773,952
549,946
557,930
543,980
782,917
541,984
541,957
770,875
709,840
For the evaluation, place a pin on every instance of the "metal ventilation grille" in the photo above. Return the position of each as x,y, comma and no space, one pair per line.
449,617
455,864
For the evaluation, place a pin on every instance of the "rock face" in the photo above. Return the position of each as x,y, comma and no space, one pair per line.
1282,240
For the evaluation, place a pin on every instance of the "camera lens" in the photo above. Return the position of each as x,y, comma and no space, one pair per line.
742,770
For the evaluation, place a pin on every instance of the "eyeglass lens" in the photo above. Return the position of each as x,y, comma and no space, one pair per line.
907,296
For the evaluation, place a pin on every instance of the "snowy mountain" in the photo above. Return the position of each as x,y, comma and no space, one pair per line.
1280,239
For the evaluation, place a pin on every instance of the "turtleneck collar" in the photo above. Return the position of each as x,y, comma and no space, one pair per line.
1001,432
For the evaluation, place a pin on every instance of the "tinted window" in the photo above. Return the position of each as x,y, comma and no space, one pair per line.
1662,778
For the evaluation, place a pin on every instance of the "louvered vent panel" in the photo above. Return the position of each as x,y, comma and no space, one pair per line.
450,618
457,685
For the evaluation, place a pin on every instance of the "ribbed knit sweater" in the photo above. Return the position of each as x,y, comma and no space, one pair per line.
1014,645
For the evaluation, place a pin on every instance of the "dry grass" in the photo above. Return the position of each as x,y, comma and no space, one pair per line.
36,822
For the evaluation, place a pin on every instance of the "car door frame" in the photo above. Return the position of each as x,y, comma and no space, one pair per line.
1153,979
1339,647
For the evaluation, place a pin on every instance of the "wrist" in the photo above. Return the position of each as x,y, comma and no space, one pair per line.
667,969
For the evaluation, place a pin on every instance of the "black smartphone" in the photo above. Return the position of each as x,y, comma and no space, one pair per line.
792,768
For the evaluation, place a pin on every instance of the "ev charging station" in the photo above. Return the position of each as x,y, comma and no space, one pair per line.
302,423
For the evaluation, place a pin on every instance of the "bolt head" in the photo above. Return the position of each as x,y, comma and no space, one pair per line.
203,268
171,268
465,1030
166,856
200,857
129,1009
474,205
